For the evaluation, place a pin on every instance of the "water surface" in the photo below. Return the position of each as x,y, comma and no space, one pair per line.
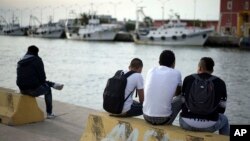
84,68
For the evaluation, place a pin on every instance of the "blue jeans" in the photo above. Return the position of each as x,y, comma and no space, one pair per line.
45,90
135,110
222,125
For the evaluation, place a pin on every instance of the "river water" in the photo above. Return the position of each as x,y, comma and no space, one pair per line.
84,68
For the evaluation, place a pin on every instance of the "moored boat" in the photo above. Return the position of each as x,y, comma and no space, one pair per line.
174,32
49,30
93,31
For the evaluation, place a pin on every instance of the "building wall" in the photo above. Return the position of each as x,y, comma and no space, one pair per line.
231,16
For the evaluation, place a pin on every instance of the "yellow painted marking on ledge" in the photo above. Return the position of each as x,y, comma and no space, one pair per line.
102,127
17,109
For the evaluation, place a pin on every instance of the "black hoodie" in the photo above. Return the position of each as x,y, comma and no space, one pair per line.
30,72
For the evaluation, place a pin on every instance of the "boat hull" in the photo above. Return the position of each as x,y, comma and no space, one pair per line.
57,34
95,36
189,40
17,32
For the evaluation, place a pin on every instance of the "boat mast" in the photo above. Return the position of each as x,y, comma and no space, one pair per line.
137,10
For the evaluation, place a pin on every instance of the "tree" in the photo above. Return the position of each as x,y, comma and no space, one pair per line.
130,25
84,19
148,21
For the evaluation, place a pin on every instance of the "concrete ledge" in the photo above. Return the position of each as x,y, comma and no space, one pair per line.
102,127
67,126
18,109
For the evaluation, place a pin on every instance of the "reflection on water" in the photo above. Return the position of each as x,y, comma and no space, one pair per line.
84,68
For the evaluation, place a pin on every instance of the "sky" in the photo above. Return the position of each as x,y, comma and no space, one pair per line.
121,9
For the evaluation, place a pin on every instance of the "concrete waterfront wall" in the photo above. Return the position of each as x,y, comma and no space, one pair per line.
222,41
102,127
18,109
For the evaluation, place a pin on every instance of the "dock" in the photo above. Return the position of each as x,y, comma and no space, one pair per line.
73,123
67,126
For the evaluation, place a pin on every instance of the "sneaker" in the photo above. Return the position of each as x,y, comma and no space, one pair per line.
58,86
51,116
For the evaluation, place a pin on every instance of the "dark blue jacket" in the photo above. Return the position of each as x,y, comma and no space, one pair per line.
30,72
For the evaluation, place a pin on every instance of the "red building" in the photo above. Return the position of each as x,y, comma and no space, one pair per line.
235,17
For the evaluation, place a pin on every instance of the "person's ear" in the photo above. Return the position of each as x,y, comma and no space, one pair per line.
199,69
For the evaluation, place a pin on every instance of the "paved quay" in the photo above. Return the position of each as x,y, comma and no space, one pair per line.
67,126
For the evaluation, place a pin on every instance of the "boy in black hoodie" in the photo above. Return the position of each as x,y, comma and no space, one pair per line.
31,78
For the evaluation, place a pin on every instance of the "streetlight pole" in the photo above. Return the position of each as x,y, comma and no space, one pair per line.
194,12
54,13
115,4
42,12
163,8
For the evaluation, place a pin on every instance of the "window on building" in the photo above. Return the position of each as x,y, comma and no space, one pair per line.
245,18
229,5
246,5
228,31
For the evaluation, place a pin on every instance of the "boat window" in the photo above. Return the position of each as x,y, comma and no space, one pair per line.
163,38
151,38
184,36
174,38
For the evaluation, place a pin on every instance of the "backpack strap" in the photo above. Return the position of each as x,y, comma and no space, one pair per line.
126,76
129,73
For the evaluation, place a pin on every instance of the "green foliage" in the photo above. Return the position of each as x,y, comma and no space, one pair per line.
130,26
148,21
84,18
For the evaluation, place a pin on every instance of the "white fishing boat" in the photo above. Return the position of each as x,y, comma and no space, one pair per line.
93,31
49,30
174,32
12,29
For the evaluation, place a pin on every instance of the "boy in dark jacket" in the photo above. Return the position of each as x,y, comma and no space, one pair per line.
31,78
214,120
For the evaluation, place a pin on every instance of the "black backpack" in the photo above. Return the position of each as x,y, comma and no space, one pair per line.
201,97
114,92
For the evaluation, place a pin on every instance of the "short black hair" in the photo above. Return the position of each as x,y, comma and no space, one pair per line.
167,58
136,63
33,50
207,63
